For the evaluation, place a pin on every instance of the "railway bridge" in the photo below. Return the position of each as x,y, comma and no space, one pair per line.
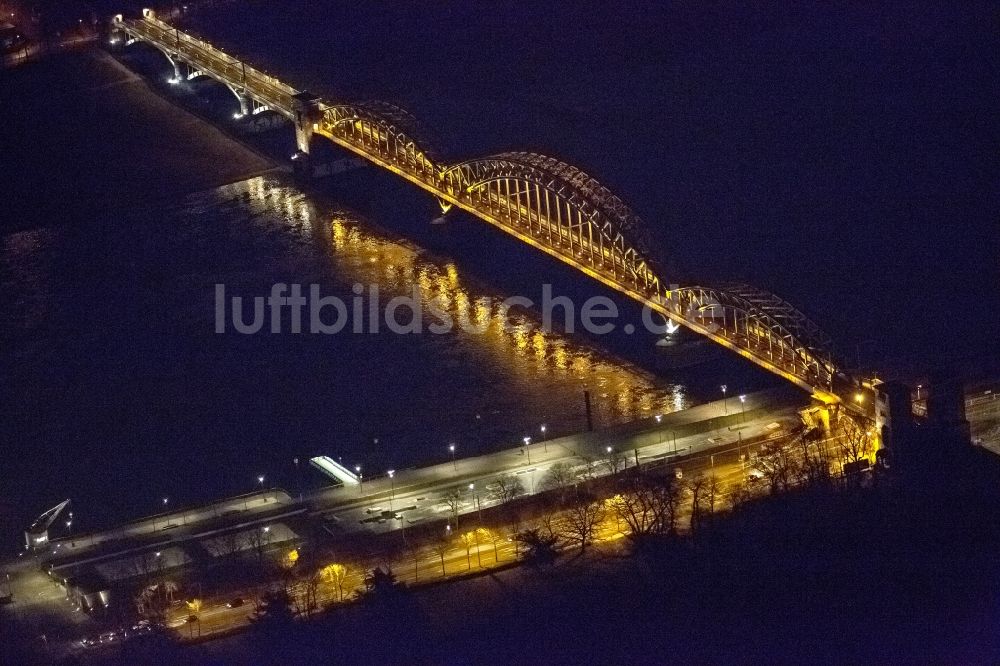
544,202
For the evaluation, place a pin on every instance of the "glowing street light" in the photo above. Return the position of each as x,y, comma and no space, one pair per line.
545,442
361,479
725,407
527,448
451,448
392,487
743,408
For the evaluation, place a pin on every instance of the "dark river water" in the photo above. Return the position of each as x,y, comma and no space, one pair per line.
124,393
845,158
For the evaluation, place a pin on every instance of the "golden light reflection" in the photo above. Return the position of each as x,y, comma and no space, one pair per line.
626,391
620,390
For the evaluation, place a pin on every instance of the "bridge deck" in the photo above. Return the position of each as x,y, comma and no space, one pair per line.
547,204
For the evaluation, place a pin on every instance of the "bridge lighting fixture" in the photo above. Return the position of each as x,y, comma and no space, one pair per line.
237,115
173,80
859,397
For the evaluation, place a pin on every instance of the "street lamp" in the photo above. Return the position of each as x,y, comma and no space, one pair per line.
166,500
298,477
392,487
361,479
743,409
725,406
451,448
260,481
527,448
545,442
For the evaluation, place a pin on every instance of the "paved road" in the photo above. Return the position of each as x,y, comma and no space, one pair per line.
421,495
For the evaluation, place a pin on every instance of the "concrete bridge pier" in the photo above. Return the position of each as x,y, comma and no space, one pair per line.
305,106
178,76
244,103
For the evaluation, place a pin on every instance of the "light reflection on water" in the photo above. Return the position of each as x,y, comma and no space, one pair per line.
110,347
366,254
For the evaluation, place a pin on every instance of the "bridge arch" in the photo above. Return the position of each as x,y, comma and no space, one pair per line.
150,46
562,204
241,98
762,324
386,130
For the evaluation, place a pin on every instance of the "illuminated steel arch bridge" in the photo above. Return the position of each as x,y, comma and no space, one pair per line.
542,201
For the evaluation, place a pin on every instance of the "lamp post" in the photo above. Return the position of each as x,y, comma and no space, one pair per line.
743,409
476,502
166,519
545,442
527,448
475,532
260,480
298,477
361,479
451,449
392,487
725,405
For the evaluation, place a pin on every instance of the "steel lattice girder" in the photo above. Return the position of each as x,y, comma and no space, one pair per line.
605,211
394,121
801,335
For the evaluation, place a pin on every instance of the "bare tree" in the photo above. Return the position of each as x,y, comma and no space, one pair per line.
669,495
614,461
505,488
453,500
581,520
778,466
496,537
637,508
855,439
336,573
560,475
441,546
469,540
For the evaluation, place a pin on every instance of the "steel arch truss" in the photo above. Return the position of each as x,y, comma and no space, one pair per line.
542,201
384,130
763,325
559,205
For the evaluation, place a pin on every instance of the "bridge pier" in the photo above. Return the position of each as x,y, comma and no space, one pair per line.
305,106
307,113
244,104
